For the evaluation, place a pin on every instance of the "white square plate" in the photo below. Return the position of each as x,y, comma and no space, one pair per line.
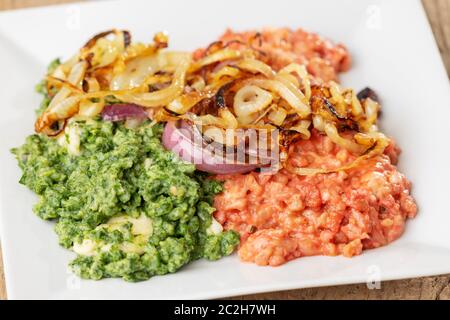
394,52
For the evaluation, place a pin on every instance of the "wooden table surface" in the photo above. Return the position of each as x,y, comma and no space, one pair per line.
438,12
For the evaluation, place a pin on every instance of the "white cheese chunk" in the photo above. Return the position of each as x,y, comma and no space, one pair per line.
140,226
215,227
129,247
74,133
86,248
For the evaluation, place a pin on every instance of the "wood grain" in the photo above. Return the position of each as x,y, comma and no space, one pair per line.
438,12
18,4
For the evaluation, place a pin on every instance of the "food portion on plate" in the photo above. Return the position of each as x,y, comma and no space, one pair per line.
148,159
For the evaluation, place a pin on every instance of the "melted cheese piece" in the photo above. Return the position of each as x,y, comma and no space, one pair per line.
74,140
215,227
86,248
130,247
71,139
140,226
142,229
